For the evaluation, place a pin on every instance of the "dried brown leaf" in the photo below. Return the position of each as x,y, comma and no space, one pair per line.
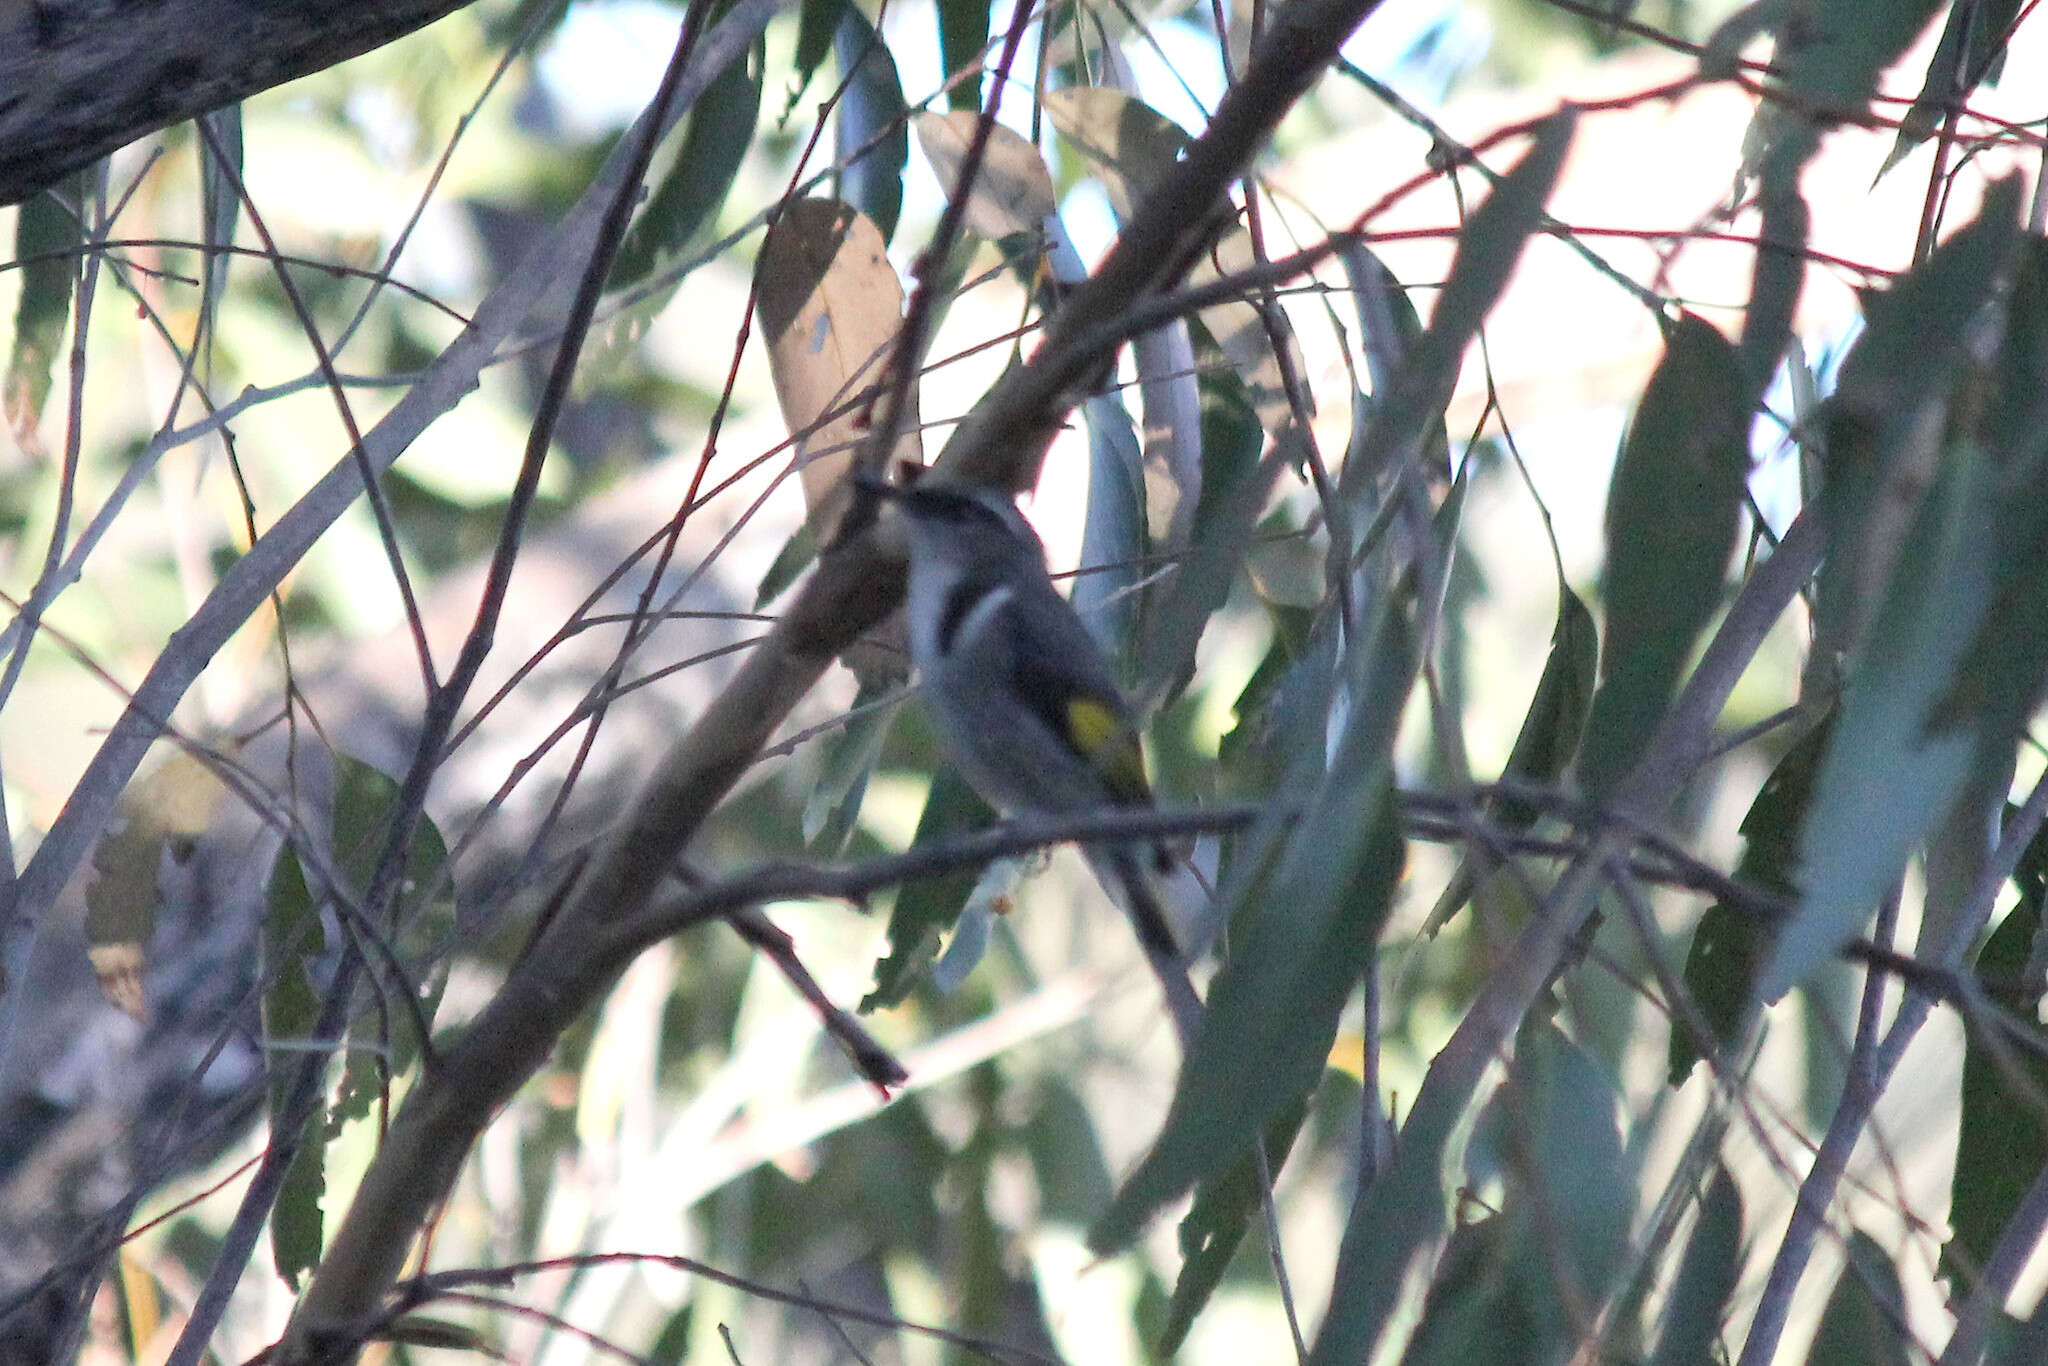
831,307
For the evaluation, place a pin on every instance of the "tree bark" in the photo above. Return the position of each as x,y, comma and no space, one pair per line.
79,78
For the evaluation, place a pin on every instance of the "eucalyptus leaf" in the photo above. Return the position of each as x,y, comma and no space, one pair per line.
720,130
1971,52
798,553
1235,486
421,932
963,41
831,308
1550,731
1697,1306
1882,433
871,110
1673,510
1862,1323
1568,1181
161,815
1828,58
1215,1225
833,804
1489,248
293,939
2002,1142
926,909
1012,194
1113,536
1306,915
817,22
1729,943
47,236
220,190
1468,1319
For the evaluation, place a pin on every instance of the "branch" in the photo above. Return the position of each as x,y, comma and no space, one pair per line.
855,585
78,80
1384,1232
249,583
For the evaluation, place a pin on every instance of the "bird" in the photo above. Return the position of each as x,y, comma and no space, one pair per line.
1021,696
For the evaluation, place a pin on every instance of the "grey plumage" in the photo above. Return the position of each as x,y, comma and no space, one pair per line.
1003,659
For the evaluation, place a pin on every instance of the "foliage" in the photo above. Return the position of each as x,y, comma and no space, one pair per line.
1589,676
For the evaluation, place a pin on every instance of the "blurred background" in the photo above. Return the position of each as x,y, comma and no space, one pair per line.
702,1111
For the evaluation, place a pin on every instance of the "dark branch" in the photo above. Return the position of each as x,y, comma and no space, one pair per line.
80,78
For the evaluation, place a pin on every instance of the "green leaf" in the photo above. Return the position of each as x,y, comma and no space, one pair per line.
1698,1303
1865,1321
1388,325
1976,33
421,936
1389,329
1467,1318
1728,945
927,908
1879,451
1834,50
963,38
1231,439
1776,280
833,803
1891,771
1673,511
2015,1343
2002,1146
1392,1234
1113,536
1235,483
1397,1224
47,237
1215,1225
1067,1164
220,179
2013,424
1557,713
796,555
1551,1129
871,109
420,1330
1246,753
817,21
1488,250
1398,1221
1828,57
720,130
1306,916
292,938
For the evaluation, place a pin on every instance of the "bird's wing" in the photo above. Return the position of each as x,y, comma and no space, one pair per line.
1057,669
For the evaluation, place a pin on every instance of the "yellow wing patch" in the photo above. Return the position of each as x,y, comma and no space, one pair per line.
1099,733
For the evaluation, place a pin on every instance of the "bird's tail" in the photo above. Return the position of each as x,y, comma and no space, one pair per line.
1124,879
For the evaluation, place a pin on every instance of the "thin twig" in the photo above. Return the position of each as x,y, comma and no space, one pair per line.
875,1062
